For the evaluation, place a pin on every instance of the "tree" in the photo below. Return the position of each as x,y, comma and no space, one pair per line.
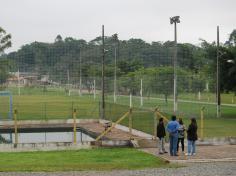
4,70
58,38
232,38
230,55
5,40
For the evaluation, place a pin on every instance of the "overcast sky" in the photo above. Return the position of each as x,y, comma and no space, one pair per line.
42,20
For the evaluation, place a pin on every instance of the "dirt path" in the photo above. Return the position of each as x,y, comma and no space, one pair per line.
194,169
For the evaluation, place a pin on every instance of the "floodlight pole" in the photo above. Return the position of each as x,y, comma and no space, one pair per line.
175,20
115,78
218,77
175,75
103,68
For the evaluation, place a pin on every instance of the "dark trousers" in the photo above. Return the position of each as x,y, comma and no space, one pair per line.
182,144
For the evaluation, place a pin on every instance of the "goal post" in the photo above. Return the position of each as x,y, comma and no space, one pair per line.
7,103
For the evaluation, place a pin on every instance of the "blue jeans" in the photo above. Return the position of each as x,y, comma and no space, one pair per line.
191,147
173,144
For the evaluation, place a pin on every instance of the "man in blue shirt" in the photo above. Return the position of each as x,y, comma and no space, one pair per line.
172,128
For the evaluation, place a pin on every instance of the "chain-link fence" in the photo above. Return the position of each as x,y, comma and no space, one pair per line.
49,80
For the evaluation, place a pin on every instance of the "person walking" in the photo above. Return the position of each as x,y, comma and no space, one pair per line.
172,128
192,137
161,133
181,131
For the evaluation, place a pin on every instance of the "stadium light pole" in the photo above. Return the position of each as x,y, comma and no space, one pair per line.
103,68
218,98
174,20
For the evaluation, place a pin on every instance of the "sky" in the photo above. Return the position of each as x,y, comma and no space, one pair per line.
42,20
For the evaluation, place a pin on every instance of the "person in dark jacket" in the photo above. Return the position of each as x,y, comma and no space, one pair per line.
161,133
192,137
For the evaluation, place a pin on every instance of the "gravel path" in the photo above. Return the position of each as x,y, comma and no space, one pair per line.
203,169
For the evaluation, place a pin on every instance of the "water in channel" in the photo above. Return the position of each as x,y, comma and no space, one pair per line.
45,137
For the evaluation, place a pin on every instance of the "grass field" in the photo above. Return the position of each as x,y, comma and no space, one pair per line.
144,121
94,159
35,104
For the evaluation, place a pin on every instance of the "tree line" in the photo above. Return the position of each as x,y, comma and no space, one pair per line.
135,59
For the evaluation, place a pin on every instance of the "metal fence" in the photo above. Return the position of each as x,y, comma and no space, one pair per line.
49,80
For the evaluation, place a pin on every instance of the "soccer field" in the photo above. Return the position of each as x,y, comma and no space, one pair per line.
32,104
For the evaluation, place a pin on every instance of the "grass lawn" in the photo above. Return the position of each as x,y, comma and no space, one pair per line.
143,119
91,159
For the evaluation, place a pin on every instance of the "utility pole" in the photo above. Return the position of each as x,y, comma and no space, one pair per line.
218,98
103,68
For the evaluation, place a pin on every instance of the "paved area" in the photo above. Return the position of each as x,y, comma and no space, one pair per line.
194,169
114,134
204,154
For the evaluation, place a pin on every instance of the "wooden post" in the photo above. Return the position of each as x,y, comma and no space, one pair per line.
130,122
74,124
130,101
15,126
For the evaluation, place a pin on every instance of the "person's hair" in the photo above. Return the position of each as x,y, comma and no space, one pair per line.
161,119
181,121
193,121
173,117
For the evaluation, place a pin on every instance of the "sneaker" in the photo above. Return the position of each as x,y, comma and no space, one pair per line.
161,153
187,154
165,152
194,154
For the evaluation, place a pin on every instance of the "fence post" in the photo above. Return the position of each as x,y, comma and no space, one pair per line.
141,92
130,121
155,124
74,118
130,100
45,111
202,124
15,127
99,109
